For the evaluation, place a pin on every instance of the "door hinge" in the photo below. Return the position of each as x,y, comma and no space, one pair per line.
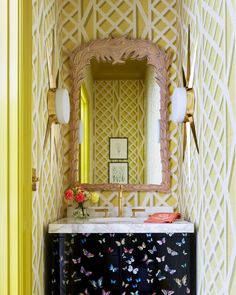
35,179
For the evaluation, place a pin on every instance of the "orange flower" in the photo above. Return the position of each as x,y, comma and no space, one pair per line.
80,198
69,194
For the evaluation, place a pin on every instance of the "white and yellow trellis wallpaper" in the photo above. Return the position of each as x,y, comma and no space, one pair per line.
78,22
119,111
206,196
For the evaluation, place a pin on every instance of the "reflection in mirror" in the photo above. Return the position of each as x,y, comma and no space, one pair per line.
120,109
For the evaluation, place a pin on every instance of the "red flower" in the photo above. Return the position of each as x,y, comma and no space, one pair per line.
69,194
80,198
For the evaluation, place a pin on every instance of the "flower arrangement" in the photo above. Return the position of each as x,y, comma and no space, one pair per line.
77,196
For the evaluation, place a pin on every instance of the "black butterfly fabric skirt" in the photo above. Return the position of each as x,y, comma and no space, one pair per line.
121,264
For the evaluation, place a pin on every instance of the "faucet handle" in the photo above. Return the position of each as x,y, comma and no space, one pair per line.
105,210
135,210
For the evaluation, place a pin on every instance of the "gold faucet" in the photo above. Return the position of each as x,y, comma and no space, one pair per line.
120,203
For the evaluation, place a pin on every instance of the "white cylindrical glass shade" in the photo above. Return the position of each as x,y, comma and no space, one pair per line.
179,104
62,105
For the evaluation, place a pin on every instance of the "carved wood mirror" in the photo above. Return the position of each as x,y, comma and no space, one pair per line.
113,153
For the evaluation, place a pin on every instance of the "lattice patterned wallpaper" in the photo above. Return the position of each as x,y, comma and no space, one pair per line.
119,112
51,168
82,21
208,195
78,22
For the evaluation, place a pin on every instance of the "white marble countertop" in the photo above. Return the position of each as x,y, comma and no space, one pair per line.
118,225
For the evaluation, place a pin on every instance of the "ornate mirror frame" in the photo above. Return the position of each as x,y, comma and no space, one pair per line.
116,51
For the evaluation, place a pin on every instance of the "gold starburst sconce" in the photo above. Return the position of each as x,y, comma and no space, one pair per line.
183,99
58,101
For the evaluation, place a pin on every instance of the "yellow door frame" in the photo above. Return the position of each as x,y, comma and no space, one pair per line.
15,147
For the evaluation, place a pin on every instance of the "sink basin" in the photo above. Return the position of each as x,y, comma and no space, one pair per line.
116,220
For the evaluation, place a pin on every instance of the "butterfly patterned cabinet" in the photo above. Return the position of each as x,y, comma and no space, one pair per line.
121,263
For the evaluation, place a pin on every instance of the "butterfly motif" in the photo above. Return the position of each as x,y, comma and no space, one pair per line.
166,292
87,254
130,251
160,276
180,243
154,249
65,282
181,282
185,253
72,241
129,235
100,254
184,234
129,279
133,270
148,235
135,240
110,250
172,252
97,284
161,242
150,240
119,243
74,277
54,281
68,252
131,260
134,293
141,247
112,235
150,281
102,241
125,285
134,286
106,293
83,241
171,271
149,270
76,260
146,260
85,292
184,265
161,259
112,268
83,271
187,290
113,282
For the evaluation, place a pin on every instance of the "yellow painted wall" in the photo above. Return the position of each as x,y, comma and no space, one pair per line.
208,199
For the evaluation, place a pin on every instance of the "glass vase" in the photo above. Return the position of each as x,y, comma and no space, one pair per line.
80,212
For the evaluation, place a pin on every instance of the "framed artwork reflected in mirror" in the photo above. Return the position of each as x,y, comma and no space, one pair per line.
118,172
118,148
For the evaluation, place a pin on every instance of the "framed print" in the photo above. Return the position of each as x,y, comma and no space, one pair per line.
118,148
118,173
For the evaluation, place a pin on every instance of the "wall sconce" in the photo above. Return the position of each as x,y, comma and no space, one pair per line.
58,108
58,101
183,99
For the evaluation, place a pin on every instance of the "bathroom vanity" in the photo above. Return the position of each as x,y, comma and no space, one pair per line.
120,256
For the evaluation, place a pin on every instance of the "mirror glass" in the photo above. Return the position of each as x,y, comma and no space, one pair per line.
119,124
